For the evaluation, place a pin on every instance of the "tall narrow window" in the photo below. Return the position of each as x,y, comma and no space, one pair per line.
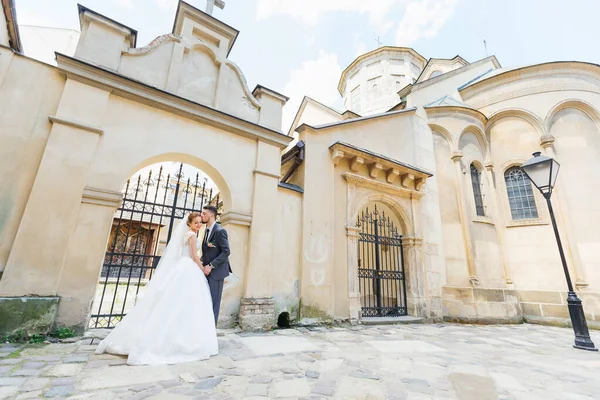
476,182
520,195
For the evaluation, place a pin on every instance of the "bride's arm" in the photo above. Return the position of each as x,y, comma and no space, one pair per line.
194,251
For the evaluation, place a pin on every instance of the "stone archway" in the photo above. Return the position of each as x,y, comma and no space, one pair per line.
155,200
412,297
380,267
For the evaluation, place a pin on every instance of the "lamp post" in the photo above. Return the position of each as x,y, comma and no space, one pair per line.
542,171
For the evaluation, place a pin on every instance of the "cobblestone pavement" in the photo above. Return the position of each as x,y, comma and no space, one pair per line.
413,362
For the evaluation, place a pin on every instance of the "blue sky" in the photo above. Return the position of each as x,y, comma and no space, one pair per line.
299,47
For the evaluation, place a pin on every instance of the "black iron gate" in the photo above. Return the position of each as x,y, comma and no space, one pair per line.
380,266
150,209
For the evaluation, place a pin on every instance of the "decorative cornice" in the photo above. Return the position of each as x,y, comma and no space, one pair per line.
267,173
129,88
75,124
546,141
101,197
381,186
376,162
236,218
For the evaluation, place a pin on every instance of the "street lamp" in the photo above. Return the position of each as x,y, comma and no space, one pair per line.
542,171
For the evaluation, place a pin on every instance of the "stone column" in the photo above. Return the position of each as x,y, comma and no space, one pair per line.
489,168
354,306
464,220
415,276
564,226
257,310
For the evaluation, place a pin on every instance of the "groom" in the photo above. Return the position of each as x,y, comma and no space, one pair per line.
215,256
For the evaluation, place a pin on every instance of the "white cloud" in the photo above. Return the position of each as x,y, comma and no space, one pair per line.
423,19
125,3
26,17
317,79
311,10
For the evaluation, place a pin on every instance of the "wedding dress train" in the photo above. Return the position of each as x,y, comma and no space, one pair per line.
172,321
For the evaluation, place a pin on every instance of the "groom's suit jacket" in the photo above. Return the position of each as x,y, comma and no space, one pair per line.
215,251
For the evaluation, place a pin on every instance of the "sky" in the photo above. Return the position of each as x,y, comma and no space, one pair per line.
300,47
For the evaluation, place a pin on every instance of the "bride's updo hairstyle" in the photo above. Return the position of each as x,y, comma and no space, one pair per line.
192,217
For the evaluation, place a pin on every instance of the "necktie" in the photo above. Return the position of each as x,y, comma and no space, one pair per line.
206,236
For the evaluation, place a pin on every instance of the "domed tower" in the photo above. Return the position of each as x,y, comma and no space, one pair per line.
371,83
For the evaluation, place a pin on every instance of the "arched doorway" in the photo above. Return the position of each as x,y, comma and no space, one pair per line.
155,199
380,264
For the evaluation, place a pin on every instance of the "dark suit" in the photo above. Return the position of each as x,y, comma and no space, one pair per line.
217,256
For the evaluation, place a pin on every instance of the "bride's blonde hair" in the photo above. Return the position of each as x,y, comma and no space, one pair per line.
192,217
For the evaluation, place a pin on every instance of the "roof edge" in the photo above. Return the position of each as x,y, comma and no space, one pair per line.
10,14
355,120
81,9
517,71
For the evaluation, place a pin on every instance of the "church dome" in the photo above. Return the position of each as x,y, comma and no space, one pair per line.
370,84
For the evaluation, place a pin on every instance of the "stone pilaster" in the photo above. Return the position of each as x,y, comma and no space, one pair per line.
462,208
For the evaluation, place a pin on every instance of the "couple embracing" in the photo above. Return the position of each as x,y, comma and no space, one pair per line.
175,316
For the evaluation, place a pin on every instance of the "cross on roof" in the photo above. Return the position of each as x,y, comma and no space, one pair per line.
378,41
210,4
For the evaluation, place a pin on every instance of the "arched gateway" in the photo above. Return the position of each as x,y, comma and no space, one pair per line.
380,265
155,200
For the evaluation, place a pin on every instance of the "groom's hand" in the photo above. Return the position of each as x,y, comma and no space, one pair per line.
206,270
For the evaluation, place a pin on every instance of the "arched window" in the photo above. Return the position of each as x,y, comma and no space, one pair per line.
435,73
476,182
520,194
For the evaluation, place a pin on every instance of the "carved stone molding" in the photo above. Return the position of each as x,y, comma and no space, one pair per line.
76,124
337,156
392,175
352,231
546,141
456,156
381,186
101,197
236,218
375,169
356,163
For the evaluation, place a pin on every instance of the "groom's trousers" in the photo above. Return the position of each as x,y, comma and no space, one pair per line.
216,291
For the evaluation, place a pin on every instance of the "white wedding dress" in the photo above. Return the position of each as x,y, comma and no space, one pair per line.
172,321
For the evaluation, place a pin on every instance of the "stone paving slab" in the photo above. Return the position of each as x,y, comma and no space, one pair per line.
408,362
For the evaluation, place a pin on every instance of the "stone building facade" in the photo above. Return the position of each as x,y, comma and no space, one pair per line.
411,202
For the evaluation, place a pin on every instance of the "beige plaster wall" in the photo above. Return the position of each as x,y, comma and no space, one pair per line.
577,148
29,93
287,253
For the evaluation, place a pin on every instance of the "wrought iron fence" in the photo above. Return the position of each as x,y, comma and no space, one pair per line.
151,205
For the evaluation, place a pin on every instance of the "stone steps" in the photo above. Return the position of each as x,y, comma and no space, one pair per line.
391,320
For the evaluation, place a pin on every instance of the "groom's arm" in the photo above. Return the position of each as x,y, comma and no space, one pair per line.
223,242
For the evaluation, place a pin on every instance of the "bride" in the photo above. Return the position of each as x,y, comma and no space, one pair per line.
172,321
